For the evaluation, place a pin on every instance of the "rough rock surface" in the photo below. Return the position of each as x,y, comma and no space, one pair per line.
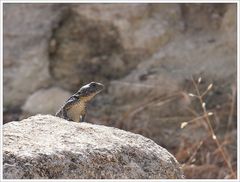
54,97
45,146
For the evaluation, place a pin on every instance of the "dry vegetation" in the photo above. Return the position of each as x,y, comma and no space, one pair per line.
209,152
212,156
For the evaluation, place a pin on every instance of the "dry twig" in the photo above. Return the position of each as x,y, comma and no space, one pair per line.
205,116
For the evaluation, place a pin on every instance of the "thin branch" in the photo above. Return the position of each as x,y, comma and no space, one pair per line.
195,152
211,129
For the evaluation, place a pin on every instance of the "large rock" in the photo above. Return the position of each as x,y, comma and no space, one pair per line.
142,27
27,29
79,43
113,40
46,101
50,147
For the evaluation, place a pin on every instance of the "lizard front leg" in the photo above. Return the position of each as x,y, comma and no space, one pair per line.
82,118
64,113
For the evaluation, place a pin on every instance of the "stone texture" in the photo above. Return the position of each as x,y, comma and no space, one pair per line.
26,31
83,51
202,16
142,28
115,39
46,101
111,42
229,26
45,146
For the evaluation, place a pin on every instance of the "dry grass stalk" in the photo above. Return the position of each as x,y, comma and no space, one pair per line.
155,100
232,107
205,116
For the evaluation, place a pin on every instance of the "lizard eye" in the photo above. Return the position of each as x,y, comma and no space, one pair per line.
93,84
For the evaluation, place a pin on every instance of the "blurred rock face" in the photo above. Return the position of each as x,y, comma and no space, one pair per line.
27,29
86,50
145,54
102,42
54,97
73,44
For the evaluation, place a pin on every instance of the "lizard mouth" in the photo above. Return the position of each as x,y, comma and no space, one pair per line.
96,87
91,89
100,86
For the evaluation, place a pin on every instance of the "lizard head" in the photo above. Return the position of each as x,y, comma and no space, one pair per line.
87,92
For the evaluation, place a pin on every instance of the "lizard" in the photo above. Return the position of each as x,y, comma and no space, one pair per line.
74,109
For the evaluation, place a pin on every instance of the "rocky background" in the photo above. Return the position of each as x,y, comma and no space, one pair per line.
148,56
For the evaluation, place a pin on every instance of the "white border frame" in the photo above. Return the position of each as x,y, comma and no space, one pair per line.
120,1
